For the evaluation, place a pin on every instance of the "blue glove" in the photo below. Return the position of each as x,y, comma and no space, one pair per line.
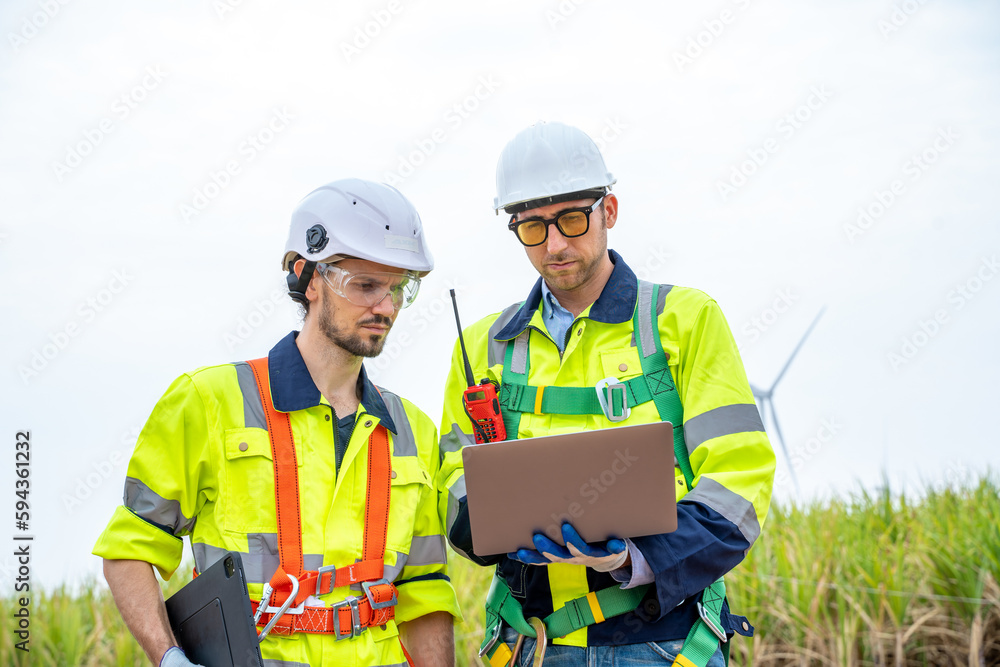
602,557
174,657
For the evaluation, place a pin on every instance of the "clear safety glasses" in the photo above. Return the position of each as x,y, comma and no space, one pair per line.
571,223
369,289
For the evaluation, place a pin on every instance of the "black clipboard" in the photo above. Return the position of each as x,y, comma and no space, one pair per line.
212,619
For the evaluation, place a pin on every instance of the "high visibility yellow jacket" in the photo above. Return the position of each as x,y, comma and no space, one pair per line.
732,460
202,467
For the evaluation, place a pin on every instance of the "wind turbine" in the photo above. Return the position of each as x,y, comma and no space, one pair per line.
766,402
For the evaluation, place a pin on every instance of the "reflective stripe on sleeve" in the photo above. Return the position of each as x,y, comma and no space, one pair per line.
427,550
730,505
455,494
725,420
284,663
152,507
455,439
253,411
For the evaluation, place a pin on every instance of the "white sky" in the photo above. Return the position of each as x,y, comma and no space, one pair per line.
99,249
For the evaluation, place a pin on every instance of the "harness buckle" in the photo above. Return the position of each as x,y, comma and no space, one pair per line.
356,627
716,630
493,640
611,385
319,579
366,586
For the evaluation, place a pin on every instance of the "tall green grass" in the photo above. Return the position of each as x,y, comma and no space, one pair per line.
874,579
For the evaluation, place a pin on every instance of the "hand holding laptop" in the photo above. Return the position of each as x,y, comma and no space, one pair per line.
611,556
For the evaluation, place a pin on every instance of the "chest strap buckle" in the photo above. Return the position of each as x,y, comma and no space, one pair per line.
356,627
367,586
608,390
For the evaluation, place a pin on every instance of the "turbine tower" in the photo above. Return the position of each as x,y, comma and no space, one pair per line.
766,403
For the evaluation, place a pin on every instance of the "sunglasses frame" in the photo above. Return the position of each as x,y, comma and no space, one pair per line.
586,210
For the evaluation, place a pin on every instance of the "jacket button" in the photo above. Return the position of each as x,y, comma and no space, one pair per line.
579,332
623,367
667,355
327,417
392,474
746,627
244,446
368,423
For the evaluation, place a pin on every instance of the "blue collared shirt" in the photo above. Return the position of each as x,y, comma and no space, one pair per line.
557,319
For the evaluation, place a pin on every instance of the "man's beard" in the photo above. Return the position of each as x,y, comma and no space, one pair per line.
356,344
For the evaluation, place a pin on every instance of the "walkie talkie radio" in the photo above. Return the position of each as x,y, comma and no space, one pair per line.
480,400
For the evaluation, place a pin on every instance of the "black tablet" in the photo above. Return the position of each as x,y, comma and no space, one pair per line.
212,619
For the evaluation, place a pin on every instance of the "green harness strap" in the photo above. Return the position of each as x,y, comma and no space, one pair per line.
656,384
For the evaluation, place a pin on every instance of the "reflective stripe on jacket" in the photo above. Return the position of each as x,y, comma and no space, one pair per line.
202,467
732,460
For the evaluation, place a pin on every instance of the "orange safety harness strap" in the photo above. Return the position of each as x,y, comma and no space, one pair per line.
346,618
286,482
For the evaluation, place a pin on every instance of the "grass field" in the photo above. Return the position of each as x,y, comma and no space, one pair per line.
876,579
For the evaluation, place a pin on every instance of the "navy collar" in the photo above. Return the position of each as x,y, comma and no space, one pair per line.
615,305
292,388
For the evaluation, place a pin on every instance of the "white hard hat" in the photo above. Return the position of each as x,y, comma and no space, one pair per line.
549,163
362,219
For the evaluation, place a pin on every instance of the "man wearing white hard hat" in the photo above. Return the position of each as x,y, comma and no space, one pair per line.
651,352
320,480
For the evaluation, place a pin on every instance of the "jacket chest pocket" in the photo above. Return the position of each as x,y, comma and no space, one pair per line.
410,486
247,490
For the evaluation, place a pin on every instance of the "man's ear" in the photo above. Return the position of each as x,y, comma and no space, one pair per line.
610,210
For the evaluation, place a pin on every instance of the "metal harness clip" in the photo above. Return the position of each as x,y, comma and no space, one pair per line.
356,627
612,385
493,640
366,586
277,611
716,630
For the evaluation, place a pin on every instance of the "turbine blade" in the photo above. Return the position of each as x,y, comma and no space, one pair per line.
788,459
757,391
797,348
